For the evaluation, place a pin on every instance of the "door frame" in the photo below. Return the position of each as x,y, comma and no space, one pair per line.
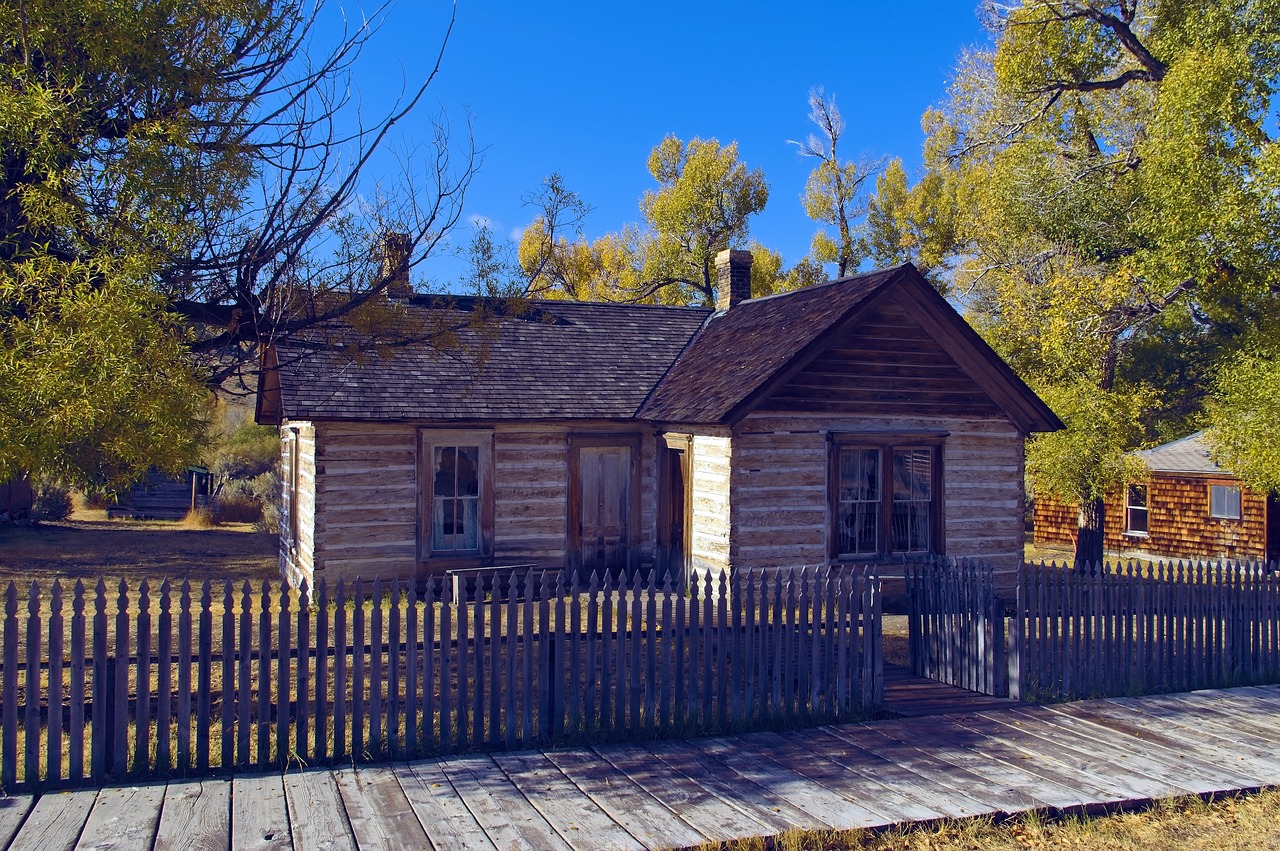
671,446
573,505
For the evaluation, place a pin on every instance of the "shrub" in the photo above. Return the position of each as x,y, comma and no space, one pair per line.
266,487
235,502
255,501
52,502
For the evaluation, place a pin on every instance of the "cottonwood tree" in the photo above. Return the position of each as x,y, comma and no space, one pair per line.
178,191
1113,174
833,193
705,198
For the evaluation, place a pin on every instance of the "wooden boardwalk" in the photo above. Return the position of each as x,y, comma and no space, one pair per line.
1004,759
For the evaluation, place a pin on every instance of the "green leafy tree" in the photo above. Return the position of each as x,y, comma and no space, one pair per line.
833,194
1111,173
702,207
188,170
1245,410
705,198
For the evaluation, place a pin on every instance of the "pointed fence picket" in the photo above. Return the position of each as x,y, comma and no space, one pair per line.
1092,631
377,670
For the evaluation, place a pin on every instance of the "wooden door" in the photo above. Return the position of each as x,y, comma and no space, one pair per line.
605,510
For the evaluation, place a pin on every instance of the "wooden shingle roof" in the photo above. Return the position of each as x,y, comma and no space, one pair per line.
742,355
577,360
561,360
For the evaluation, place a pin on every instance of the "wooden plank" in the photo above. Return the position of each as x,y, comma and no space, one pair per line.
757,801
13,809
316,814
1090,759
75,744
259,818
573,815
123,818
805,754
439,808
683,796
380,813
1142,750
924,773
53,730
1208,737
1001,766
507,817
196,815
832,809
55,822
638,812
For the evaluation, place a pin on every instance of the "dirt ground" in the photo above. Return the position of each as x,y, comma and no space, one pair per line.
89,546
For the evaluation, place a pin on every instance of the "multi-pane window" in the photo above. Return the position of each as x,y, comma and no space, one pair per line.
858,526
886,500
1224,502
455,522
1136,510
912,500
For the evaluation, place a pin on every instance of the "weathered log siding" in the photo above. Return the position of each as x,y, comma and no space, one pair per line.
1178,521
366,500
365,486
297,546
781,512
710,544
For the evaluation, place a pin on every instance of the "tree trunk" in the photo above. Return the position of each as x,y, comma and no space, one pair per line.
1089,532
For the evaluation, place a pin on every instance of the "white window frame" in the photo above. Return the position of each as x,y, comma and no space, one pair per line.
1130,508
1227,491
428,441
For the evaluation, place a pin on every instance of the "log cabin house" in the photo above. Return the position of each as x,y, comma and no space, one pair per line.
858,421
1186,507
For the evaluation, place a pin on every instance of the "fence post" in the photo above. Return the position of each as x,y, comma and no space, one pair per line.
1013,668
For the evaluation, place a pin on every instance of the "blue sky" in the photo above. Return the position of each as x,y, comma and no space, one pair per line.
587,90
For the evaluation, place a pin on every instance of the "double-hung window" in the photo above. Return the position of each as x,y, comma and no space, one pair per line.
886,495
456,515
1136,510
1224,502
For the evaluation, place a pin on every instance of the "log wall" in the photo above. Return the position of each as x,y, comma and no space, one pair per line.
781,510
1178,521
712,456
297,547
366,496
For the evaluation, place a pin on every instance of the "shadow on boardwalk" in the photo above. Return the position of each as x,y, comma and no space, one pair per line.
996,757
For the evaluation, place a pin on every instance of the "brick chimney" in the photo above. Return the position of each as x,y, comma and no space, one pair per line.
733,278
395,264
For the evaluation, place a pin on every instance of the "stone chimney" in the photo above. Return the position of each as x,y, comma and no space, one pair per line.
733,278
395,264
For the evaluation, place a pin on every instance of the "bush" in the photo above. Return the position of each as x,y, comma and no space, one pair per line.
235,502
52,503
255,500
266,487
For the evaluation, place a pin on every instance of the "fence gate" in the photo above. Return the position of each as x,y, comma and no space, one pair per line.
956,623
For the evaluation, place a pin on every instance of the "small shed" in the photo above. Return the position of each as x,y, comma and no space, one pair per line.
1187,506
858,421
162,496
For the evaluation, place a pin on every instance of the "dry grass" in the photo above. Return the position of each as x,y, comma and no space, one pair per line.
89,546
1231,824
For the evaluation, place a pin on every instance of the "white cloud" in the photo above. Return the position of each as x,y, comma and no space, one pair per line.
478,221
517,232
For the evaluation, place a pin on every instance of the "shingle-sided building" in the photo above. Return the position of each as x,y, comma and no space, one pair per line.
857,421
1186,506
